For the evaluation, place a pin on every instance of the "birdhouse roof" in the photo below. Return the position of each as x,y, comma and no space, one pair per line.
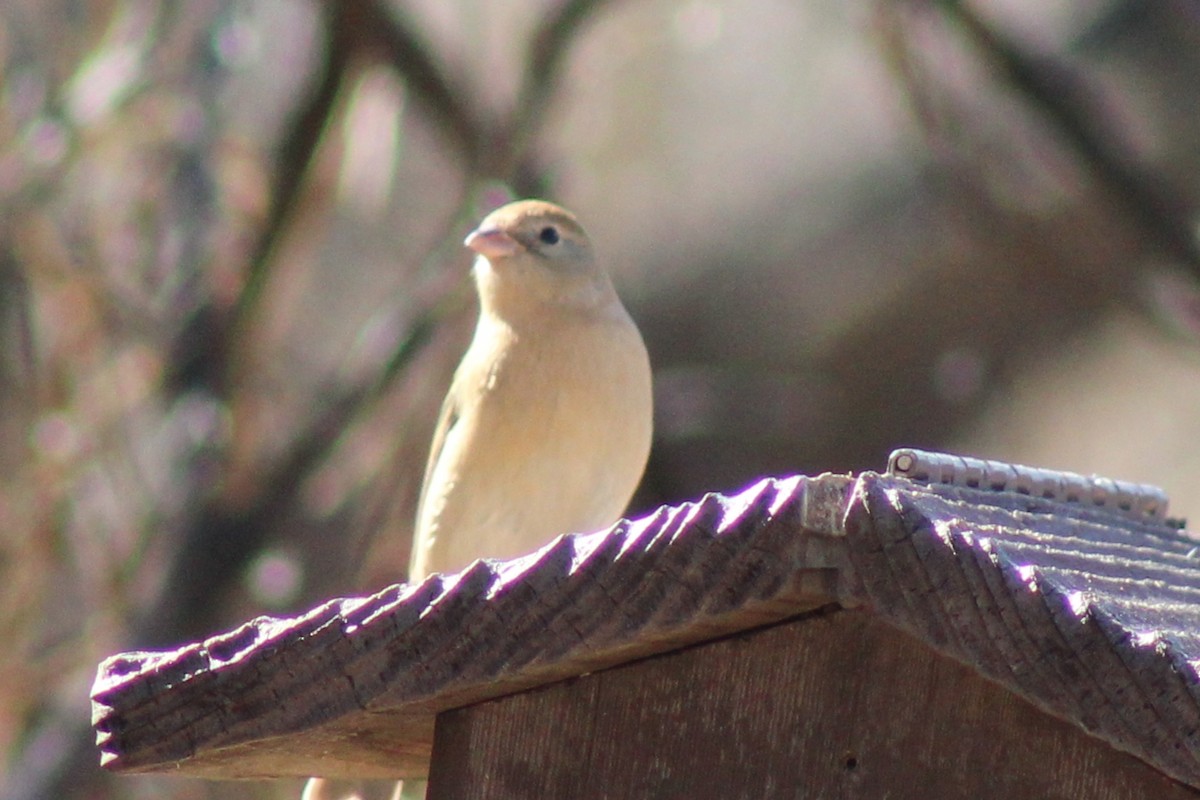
1077,593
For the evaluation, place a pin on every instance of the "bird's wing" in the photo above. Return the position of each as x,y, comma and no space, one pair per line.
447,418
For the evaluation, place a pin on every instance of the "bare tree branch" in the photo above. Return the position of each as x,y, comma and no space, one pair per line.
1064,97
547,50
297,151
385,28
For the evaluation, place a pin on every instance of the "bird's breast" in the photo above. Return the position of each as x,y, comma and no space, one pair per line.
565,415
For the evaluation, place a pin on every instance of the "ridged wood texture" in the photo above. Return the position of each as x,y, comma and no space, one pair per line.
1093,619
352,687
1091,616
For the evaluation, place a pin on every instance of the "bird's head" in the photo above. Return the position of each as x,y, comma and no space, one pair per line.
534,251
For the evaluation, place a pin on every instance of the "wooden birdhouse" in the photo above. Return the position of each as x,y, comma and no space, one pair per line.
949,628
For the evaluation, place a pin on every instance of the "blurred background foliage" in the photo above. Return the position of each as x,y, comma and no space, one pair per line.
232,289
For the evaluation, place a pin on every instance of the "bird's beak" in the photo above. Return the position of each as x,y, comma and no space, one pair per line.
492,243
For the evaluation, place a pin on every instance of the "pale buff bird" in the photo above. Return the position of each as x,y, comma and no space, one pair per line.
546,427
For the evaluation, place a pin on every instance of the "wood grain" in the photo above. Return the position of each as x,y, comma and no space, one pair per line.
835,704
1091,616
351,688
1092,620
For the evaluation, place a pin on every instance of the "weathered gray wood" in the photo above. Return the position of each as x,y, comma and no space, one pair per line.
1091,615
1070,610
351,688
836,704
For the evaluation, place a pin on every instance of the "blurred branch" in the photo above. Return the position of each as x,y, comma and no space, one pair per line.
547,50
217,537
487,149
201,355
354,29
217,541
18,362
296,154
220,541
385,28
1065,99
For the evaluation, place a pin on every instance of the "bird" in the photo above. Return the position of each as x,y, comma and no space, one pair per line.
547,425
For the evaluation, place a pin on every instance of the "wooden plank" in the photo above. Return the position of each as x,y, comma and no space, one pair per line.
835,704
1089,614
1085,602
351,688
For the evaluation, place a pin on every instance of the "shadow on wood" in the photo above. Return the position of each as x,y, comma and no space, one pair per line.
835,704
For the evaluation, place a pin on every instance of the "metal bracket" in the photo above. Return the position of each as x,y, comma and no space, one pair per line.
1138,500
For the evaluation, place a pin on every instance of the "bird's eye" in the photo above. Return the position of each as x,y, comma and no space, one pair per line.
548,235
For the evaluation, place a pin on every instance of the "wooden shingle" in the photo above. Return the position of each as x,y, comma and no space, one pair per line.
1087,610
